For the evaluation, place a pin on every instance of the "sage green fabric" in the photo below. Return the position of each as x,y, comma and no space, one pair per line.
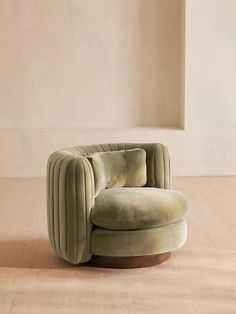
138,242
70,196
70,193
119,168
137,208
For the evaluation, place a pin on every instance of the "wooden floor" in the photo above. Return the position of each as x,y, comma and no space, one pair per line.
199,278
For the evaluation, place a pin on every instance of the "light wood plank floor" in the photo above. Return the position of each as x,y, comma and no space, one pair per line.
200,277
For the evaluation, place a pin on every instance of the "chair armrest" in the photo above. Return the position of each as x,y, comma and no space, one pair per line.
70,196
158,162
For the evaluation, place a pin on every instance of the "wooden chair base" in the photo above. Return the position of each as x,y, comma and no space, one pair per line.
130,261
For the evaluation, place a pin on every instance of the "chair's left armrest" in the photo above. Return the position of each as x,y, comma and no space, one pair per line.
70,196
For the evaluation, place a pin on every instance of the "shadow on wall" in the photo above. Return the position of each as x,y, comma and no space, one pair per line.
87,60
160,59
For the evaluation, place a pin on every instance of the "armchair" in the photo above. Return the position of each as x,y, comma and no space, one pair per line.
119,226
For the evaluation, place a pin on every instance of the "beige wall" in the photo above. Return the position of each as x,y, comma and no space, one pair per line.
30,130
72,63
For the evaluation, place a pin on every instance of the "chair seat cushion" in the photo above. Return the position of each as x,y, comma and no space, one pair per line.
137,208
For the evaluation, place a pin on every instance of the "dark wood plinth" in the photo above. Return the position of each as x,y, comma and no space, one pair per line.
129,262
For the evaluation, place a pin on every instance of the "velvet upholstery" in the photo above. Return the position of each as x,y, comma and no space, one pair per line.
139,242
137,208
71,196
119,168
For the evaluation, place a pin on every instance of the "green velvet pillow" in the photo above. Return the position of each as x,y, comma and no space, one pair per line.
119,168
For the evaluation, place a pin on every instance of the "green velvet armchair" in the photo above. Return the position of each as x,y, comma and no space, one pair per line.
112,204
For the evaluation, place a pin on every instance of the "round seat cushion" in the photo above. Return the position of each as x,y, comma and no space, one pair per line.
137,208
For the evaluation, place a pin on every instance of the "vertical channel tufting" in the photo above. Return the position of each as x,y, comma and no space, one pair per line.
82,215
170,178
167,167
68,202
56,220
70,193
70,210
159,167
89,202
62,204
163,172
51,162
154,154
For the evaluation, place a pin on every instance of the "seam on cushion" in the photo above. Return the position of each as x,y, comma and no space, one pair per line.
85,247
58,203
92,204
86,150
97,148
83,150
85,209
102,146
89,206
153,167
80,150
47,193
142,146
90,150
58,157
56,208
74,151
66,207
59,216
106,149
143,228
76,210
110,147
77,151
52,228
78,258
169,173
49,196
164,168
167,168
126,168
52,204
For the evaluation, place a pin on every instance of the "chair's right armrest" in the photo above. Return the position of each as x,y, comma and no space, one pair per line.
70,196
158,160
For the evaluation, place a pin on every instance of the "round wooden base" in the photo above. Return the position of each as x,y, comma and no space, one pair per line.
129,261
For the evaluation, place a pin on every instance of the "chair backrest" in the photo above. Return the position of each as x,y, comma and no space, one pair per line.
157,159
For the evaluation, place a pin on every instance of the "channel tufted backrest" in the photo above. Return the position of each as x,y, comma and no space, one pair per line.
157,159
